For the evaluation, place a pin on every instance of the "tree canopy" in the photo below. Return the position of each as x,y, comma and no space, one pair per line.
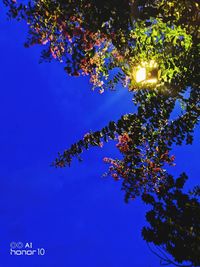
98,37
110,41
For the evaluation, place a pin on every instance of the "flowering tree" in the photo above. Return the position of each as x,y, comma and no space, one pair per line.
110,41
96,37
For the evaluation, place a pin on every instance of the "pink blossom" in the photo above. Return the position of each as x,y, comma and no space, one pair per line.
107,160
45,41
101,144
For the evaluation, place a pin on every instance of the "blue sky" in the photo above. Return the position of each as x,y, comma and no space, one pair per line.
79,217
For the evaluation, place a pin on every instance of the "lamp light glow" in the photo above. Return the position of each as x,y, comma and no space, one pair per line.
141,74
147,72
152,80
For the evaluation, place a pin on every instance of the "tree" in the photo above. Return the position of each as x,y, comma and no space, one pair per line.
96,37
174,222
110,41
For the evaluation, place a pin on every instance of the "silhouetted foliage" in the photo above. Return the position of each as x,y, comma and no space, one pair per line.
174,221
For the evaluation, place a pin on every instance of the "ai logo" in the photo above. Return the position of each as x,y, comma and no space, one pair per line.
28,245
16,245
26,249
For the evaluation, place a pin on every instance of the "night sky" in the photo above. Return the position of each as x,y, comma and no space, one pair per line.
79,217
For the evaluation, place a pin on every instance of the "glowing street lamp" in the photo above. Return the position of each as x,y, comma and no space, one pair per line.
141,74
147,73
